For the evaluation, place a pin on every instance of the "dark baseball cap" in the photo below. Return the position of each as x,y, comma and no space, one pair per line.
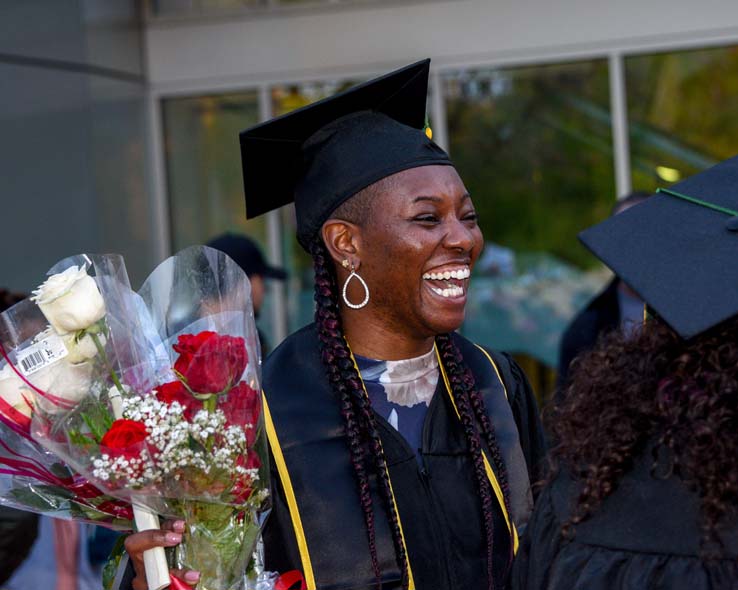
246,253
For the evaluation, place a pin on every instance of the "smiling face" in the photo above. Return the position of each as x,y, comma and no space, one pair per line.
415,249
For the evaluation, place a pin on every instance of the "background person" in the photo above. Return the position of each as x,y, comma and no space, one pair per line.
616,306
246,253
646,494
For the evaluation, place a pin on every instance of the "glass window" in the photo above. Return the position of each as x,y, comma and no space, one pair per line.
682,113
203,162
534,148
204,179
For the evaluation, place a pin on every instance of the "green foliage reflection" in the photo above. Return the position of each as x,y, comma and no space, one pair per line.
534,148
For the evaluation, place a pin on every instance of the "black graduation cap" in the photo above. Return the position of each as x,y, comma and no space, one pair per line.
324,153
679,249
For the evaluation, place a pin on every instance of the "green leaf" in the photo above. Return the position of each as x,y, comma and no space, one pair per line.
98,419
82,440
195,445
61,470
111,565
42,497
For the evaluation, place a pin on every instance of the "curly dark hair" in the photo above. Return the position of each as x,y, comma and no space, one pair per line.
654,387
362,435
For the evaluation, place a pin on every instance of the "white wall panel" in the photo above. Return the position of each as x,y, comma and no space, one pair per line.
186,55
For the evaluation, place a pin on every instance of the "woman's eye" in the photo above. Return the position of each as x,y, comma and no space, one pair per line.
471,217
427,218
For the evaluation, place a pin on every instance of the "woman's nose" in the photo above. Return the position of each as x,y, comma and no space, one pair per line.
459,236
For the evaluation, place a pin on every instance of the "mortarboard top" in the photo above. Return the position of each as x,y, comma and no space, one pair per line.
679,249
324,153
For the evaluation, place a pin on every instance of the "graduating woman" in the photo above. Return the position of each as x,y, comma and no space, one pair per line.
402,453
646,494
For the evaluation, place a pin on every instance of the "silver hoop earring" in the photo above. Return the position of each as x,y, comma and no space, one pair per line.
355,275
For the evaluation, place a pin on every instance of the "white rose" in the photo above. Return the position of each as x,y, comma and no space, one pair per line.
83,349
14,392
70,300
63,380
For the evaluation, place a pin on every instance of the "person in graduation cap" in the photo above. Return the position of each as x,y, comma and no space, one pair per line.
646,490
402,453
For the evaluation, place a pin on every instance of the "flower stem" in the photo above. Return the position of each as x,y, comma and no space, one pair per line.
104,357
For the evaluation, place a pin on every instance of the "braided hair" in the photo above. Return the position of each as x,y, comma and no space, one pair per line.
364,443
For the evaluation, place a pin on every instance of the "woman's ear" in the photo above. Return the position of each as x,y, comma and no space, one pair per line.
342,238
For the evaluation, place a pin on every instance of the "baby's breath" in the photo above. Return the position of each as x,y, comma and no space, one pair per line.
177,451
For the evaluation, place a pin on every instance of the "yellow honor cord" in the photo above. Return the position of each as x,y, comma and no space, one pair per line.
487,467
411,580
284,476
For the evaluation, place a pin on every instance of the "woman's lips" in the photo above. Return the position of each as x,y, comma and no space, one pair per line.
449,282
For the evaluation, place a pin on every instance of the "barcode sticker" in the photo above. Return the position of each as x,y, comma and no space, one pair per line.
42,354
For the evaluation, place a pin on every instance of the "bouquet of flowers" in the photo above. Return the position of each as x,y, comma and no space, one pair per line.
35,480
154,398
32,478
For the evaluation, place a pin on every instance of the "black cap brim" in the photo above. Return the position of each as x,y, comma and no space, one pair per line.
272,272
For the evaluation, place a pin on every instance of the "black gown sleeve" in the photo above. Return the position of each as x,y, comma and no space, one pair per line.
281,553
539,546
526,414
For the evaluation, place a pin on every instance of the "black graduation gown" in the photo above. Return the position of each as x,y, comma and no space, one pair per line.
644,536
438,503
601,315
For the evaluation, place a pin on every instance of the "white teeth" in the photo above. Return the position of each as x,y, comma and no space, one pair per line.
462,273
450,292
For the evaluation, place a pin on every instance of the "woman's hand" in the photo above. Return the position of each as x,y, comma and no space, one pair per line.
169,535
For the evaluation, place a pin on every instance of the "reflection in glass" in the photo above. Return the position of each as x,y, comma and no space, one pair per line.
205,184
117,130
204,180
682,113
534,148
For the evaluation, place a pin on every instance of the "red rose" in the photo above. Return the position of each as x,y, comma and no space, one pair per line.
124,437
175,391
242,489
85,490
116,509
242,407
210,363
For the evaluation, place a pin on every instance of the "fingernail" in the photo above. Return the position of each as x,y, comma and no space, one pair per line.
179,526
192,577
173,538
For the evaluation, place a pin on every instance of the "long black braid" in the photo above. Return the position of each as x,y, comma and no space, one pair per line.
472,413
361,431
